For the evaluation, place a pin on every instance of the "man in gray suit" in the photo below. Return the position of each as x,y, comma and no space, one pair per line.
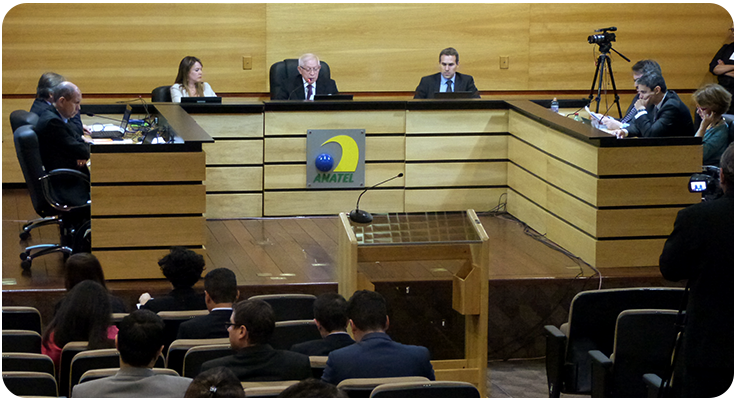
140,342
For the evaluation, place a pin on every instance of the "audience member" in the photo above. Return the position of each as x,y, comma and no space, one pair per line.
45,98
220,292
700,250
183,268
189,81
330,315
660,112
306,85
722,67
139,342
85,266
639,68
448,79
712,102
251,325
83,316
217,382
312,388
374,354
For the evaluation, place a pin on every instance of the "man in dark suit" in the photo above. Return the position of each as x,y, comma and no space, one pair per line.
45,98
330,315
639,68
306,85
220,292
448,80
660,112
700,250
374,354
251,325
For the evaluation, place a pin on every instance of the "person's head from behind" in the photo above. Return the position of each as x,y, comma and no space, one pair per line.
140,338
711,99
84,315
330,313
190,72
312,388
367,312
82,266
220,287
219,382
651,88
182,267
46,85
252,323
642,67
67,99
449,61
727,169
309,67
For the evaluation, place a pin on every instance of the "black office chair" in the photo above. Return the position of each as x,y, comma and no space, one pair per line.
285,71
44,198
161,94
290,306
291,332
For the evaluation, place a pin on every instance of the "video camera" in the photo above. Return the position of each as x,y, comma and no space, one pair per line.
708,183
603,39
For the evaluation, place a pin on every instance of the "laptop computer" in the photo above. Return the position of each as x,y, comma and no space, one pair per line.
202,99
336,96
454,95
111,130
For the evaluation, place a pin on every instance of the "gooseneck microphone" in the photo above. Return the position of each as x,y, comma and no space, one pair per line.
103,117
362,216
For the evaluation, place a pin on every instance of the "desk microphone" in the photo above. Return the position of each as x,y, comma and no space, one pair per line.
103,117
292,92
361,216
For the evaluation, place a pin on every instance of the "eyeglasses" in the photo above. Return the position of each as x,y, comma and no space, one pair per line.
311,69
228,325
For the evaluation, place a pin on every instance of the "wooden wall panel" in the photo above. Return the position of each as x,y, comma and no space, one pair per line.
224,206
156,231
429,200
234,152
456,121
455,174
658,160
234,179
377,148
296,203
456,148
294,176
231,125
147,167
297,123
147,200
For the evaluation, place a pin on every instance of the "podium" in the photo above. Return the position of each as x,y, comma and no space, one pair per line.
428,236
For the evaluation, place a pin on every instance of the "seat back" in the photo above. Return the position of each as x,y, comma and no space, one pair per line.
19,118
196,356
95,374
286,71
172,320
89,360
729,122
21,318
432,389
266,389
161,94
362,388
21,341
30,384
67,354
24,362
290,306
291,332
29,158
318,364
178,349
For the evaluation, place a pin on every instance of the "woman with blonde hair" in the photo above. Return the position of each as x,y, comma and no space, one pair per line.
712,102
189,81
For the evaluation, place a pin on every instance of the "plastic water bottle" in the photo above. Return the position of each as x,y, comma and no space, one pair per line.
577,117
555,106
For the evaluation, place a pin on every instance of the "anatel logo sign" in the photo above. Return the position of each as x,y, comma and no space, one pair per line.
336,158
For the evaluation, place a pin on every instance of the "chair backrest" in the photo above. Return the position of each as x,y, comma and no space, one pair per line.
30,384
161,94
24,362
117,318
285,71
196,356
21,341
21,318
266,389
179,348
362,388
89,360
172,320
592,324
107,372
291,332
67,354
432,389
729,122
29,158
318,363
19,118
643,344
290,306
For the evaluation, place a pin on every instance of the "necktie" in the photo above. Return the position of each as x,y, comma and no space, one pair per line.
309,91
449,85
629,116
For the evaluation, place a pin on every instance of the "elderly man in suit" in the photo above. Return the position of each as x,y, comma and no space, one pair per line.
374,354
306,85
448,79
140,342
330,315
45,98
220,292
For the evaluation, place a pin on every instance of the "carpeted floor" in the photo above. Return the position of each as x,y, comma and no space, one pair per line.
518,379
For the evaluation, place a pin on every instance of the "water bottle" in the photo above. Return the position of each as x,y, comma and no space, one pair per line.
577,117
555,106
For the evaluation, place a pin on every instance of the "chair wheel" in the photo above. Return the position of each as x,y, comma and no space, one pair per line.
23,256
26,265
24,235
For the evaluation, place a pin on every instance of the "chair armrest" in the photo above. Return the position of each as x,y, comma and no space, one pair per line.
66,171
653,383
555,359
46,187
600,375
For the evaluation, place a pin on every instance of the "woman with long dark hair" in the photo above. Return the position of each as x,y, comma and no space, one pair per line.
189,81
85,266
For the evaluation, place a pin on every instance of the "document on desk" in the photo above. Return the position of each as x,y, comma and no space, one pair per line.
110,141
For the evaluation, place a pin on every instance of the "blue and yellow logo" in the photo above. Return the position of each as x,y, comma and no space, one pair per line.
335,158
347,165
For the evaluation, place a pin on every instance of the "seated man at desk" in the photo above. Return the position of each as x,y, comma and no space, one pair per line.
45,97
448,79
306,85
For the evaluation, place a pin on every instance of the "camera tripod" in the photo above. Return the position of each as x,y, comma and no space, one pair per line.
604,62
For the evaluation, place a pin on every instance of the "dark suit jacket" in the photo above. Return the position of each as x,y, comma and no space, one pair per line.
376,355
431,84
177,300
700,249
294,90
672,119
207,326
263,363
324,346
40,105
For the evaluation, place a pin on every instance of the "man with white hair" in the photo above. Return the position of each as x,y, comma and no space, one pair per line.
306,85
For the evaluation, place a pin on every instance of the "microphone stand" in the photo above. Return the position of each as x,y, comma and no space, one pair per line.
362,216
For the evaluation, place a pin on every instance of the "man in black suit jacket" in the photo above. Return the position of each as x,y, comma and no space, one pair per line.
45,98
449,61
660,112
640,68
251,325
220,292
330,315
700,249
306,85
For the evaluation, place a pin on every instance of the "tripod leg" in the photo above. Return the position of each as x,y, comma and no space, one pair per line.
595,77
615,92
605,61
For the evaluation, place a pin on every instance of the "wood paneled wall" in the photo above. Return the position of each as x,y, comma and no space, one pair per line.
132,48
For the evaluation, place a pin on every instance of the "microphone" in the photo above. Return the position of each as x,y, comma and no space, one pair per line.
103,117
362,216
